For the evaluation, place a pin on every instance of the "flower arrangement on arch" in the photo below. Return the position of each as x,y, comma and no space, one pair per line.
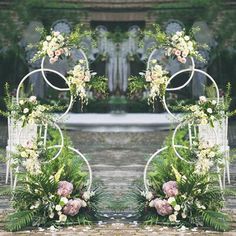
29,111
54,46
207,155
158,78
29,156
57,45
206,111
179,45
77,78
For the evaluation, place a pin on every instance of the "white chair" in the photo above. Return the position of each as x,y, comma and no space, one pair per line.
17,135
218,135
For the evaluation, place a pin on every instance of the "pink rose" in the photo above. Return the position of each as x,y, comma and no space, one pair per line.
183,60
163,207
53,60
64,188
177,52
170,188
56,33
58,52
72,207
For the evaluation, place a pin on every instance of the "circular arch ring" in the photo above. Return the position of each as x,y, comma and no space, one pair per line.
181,146
61,145
148,163
192,70
84,159
42,71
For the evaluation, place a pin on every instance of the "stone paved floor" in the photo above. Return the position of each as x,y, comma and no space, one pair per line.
118,159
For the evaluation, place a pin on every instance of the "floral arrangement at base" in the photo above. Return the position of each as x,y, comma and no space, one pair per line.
57,195
179,195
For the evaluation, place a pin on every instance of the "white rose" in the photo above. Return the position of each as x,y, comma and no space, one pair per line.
204,121
51,215
23,154
187,38
213,102
172,218
212,154
26,110
21,102
149,195
209,110
64,200
48,38
151,204
32,99
58,208
86,195
171,199
62,218
183,215
202,99
83,203
177,207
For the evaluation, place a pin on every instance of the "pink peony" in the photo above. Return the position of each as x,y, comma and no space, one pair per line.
163,207
64,188
170,188
72,207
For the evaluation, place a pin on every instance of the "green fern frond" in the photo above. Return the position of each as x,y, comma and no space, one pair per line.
217,220
19,220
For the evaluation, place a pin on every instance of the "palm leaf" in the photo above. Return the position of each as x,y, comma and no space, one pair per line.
19,220
217,220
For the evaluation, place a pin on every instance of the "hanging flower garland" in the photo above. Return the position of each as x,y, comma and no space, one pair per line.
157,78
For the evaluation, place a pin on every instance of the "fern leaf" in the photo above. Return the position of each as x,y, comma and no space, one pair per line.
19,220
217,220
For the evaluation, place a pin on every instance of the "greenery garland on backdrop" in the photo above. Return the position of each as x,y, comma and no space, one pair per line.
53,188
182,188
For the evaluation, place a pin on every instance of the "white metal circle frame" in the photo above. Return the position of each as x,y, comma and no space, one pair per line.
182,121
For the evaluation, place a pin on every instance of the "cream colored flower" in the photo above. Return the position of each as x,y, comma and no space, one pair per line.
86,195
149,196
209,110
183,215
58,208
151,204
26,110
177,207
172,218
171,200
64,200
62,218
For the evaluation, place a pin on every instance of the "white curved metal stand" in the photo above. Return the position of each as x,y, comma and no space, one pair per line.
223,144
42,70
